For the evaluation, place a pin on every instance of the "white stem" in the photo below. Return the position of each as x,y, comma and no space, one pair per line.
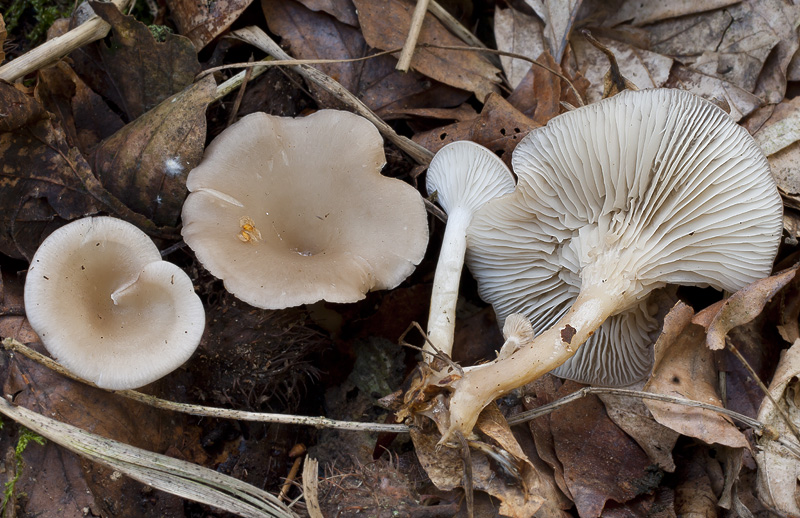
442,317
482,384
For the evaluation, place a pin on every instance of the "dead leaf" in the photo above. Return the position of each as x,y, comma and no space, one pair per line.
779,468
145,164
314,35
694,494
342,10
385,26
782,19
40,190
643,68
641,13
744,305
741,102
635,419
558,16
84,116
134,71
519,33
499,127
601,463
684,367
201,22
444,466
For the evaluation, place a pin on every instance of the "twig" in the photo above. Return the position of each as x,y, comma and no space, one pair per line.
51,51
205,411
784,416
258,38
420,10
523,417
248,73
510,55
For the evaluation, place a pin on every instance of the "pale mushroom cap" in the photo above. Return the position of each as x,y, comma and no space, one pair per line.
651,187
108,308
465,174
331,226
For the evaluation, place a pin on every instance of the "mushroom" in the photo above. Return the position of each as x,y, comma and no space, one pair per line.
108,308
292,211
613,201
464,175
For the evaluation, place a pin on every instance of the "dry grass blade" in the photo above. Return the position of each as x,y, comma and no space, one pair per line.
174,476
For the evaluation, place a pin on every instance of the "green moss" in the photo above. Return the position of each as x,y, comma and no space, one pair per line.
160,32
25,437
33,17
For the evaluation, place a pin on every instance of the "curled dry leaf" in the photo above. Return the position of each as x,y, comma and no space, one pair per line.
201,22
135,72
641,13
558,15
342,10
684,367
744,305
517,489
145,164
779,468
601,463
385,26
499,127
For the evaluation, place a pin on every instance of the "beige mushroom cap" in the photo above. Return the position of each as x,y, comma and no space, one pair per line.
291,211
649,187
108,308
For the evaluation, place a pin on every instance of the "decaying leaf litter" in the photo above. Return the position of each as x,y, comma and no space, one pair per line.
115,127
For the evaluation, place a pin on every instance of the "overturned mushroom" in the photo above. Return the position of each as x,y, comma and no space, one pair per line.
464,175
293,211
613,201
108,308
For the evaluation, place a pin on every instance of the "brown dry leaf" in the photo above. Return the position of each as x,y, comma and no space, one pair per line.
643,68
544,391
444,466
40,188
83,114
201,22
649,11
135,72
684,367
744,305
558,16
741,102
697,475
540,93
342,10
601,463
779,468
519,33
499,127
145,164
314,35
385,26
783,20
779,138
635,419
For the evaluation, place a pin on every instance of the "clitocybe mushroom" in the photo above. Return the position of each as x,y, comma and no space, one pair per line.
292,211
464,175
614,200
108,308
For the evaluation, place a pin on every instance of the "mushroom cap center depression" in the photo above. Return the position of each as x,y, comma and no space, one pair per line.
94,286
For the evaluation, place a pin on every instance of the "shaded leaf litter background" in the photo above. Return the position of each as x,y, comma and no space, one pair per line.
115,127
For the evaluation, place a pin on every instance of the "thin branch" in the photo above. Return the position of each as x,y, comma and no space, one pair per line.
205,411
417,17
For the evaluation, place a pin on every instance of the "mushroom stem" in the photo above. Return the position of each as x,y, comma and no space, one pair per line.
442,316
482,384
